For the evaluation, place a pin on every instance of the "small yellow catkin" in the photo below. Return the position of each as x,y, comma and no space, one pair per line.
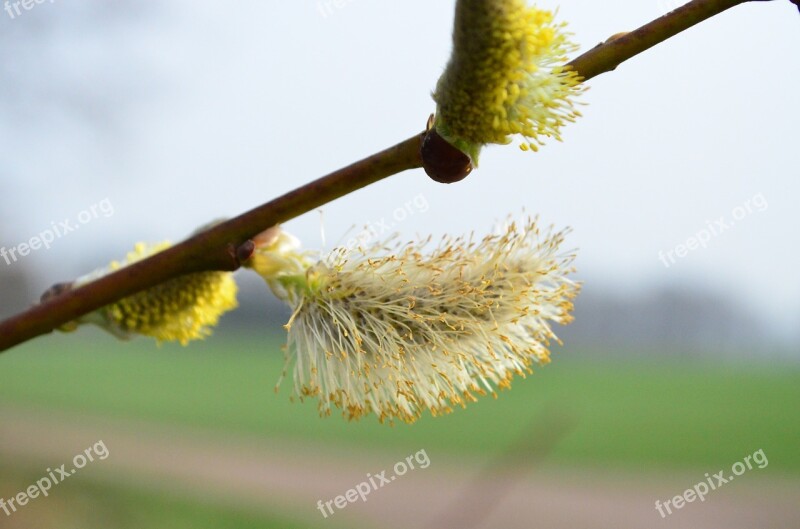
180,310
505,77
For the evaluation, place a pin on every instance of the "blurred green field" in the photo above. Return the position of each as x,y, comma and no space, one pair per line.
87,504
627,414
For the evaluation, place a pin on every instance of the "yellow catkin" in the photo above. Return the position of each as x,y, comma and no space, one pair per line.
505,77
180,310
398,331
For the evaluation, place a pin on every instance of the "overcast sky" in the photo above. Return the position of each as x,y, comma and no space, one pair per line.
183,112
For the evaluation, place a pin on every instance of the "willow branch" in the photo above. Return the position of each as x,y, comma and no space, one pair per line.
607,56
225,245
215,249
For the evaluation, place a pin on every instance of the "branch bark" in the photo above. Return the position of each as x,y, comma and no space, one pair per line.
607,56
213,249
219,247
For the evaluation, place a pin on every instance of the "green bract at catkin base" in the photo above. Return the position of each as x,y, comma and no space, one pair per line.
505,76
181,310
394,329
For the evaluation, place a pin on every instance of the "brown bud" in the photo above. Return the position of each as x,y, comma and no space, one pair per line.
245,251
443,162
55,291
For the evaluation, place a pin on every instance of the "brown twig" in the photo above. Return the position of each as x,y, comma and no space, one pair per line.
219,247
215,249
607,56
